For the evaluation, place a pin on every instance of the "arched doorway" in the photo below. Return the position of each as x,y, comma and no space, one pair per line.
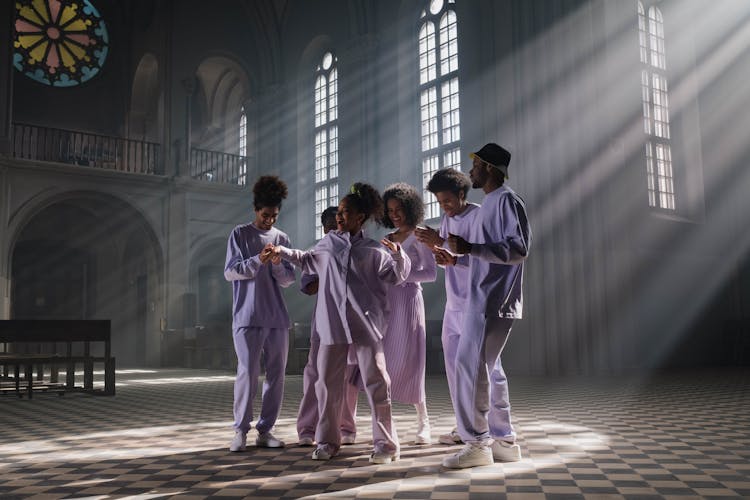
92,256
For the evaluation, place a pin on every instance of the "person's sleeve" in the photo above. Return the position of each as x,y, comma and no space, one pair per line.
395,270
239,267
301,259
283,273
423,267
511,236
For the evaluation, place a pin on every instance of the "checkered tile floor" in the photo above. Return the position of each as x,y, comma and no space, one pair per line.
166,433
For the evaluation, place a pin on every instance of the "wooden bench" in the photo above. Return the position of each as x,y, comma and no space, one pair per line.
18,337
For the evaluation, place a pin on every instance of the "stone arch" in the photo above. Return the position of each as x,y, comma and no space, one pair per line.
223,87
89,255
145,116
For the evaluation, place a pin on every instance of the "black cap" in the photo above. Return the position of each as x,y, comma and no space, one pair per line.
495,155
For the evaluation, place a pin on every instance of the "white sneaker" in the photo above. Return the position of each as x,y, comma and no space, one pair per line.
423,433
348,438
383,457
503,451
239,441
471,455
306,441
451,438
323,452
267,440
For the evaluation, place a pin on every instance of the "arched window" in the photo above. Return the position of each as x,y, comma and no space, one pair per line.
242,174
326,138
654,94
438,94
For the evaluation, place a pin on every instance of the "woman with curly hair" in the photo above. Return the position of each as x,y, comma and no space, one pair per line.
404,344
260,321
355,273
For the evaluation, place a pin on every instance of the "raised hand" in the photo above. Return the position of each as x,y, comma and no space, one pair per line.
443,257
428,236
458,245
268,254
390,245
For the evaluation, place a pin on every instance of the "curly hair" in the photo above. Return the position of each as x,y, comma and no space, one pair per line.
410,200
269,191
449,179
366,200
328,217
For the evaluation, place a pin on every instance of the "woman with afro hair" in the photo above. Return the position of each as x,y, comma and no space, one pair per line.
260,321
355,273
404,344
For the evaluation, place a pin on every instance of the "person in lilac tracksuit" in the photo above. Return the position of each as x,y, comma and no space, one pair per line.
355,273
307,416
451,188
498,245
405,343
260,321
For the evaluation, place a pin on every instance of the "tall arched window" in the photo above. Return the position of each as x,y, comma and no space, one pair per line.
438,89
242,177
654,94
326,138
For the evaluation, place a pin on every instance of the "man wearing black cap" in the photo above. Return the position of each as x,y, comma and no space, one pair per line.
498,244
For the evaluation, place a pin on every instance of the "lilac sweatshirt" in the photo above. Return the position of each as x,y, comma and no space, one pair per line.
457,278
500,241
256,296
355,273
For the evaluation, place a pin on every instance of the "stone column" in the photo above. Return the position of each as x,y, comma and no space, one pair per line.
7,15
4,244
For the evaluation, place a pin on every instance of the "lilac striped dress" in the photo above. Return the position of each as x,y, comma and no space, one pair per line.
404,343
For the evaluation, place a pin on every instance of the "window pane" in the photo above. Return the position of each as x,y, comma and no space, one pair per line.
333,152
333,104
321,155
320,101
430,165
450,116
427,63
429,119
448,43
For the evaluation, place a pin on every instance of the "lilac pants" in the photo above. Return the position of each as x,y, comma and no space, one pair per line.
483,409
330,389
307,417
248,344
452,324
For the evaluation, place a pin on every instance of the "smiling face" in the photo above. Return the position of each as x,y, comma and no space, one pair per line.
265,217
396,213
451,203
348,218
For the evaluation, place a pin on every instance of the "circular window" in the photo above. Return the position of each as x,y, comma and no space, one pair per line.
59,42
436,6
327,60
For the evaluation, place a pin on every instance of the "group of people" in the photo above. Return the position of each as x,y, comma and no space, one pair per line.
368,326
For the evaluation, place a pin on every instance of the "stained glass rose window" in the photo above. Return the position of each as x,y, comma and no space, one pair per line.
59,42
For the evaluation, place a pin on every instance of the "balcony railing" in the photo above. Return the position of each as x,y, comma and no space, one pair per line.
214,166
81,148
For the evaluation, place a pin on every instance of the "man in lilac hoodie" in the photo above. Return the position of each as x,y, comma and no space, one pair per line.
260,321
498,245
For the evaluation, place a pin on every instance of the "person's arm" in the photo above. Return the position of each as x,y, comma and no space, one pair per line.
283,272
511,232
423,267
396,269
238,267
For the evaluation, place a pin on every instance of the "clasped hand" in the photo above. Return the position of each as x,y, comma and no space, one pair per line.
270,253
